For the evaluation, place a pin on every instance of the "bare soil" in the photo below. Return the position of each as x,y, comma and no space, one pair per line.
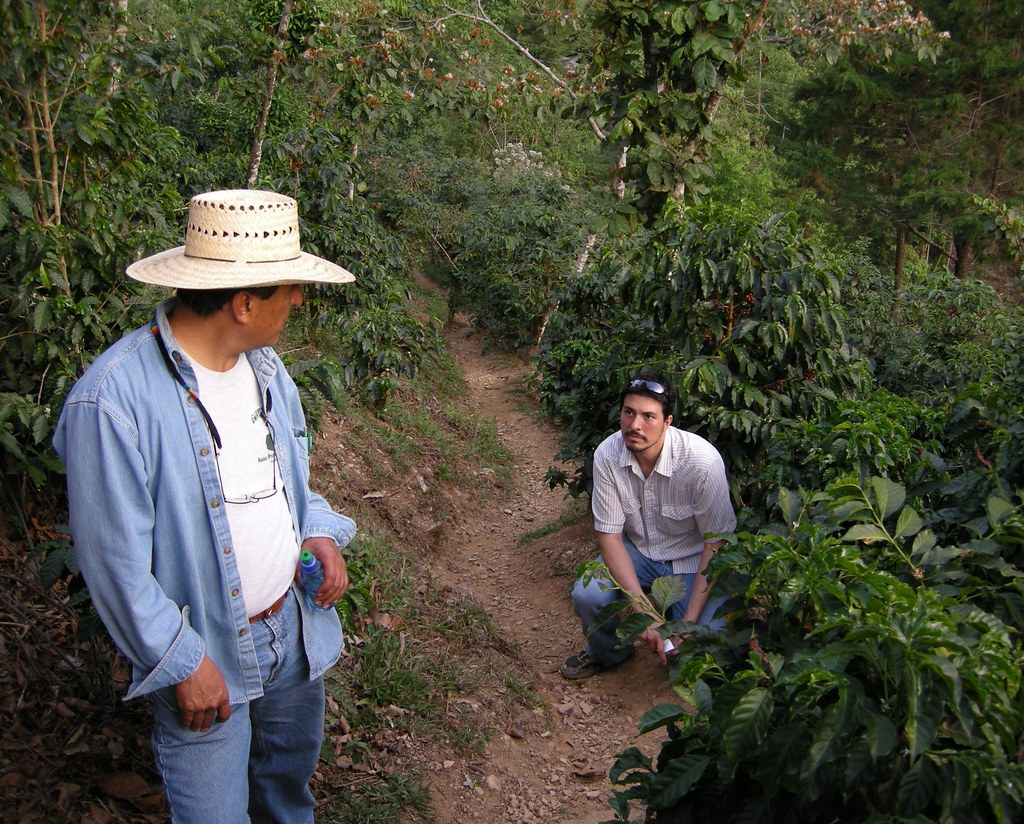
552,763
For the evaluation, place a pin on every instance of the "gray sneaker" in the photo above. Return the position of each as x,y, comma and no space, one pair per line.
580,665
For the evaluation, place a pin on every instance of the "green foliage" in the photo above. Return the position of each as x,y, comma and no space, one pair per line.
938,335
57,565
306,17
366,327
503,235
913,146
985,453
881,434
1005,222
363,563
522,232
957,460
660,69
385,803
318,380
850,688
81,176
24,430
742,313
418,185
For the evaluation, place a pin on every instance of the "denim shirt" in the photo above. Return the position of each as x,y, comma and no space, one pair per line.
150,530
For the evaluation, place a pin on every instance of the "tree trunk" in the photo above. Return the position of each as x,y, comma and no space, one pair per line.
581,263
351,182
964,253
120,33
256,153
901,258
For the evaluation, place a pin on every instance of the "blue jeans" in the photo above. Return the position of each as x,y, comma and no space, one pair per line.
256,765
603,644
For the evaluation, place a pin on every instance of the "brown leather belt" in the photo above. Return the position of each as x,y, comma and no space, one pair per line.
274,607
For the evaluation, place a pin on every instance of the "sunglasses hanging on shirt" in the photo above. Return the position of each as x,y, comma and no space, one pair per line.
214,434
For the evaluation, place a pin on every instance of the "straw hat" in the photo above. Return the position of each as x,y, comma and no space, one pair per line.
238,238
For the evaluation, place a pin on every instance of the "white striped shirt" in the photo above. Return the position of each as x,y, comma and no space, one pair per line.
667,515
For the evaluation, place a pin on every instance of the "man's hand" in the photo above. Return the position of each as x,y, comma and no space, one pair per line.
335,572
202,697
655,643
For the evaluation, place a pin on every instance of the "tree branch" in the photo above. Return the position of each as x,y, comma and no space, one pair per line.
485,20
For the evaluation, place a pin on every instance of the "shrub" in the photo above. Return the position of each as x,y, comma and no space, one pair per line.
502,235
855,687
881,434
77,202
367,327
741,312
938,335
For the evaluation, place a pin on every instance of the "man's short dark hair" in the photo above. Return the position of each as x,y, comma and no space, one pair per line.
648,382
206,302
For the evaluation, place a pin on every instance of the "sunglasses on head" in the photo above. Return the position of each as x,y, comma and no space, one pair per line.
650,386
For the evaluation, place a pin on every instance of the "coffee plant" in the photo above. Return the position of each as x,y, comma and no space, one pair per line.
741,312
938,335
81,193
878,434
365,327
853,685
501,234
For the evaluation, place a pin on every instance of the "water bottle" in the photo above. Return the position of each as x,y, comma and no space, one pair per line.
312,576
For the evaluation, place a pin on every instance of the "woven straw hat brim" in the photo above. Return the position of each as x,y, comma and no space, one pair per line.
177,270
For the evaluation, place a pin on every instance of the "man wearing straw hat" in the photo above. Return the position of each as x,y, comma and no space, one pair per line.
188,467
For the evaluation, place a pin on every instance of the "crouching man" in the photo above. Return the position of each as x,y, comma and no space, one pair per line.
658,490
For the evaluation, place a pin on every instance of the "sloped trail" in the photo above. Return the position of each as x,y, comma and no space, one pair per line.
552,764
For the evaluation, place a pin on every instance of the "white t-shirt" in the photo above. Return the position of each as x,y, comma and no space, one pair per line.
266,547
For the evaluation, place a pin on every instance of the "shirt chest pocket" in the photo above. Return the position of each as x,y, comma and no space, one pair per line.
631,516
304,442
677,519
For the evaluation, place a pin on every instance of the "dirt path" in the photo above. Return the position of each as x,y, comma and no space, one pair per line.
553,763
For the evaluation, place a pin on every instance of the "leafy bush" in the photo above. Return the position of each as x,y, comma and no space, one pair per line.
366,327
741,312
73,202
522,232
938,335
855,686
962,464
418,187
881,434
502,235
